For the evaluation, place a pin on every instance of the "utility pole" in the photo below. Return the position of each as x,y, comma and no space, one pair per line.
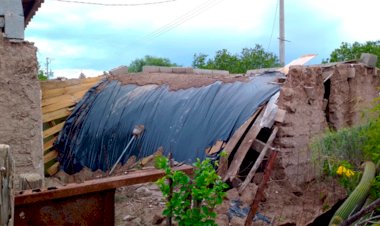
282,34
47,66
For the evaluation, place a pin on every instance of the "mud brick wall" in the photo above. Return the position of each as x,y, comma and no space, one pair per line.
20,106
313,105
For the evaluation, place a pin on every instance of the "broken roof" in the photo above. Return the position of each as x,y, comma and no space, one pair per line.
30,8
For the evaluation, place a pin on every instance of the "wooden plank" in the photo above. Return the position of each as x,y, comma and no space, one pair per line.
53,130
7,169
54,84
299,61
58,106
258,145
243,149
101,184
53,169
50,156
259,160
234,140
49,144
55,115
67,90
75,97
217,146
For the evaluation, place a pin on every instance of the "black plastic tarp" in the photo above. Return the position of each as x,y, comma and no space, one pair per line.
184,122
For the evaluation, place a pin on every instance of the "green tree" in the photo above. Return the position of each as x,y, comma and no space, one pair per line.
353,51
42,76
137,64
249,58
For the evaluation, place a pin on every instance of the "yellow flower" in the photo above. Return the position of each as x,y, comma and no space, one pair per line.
343,170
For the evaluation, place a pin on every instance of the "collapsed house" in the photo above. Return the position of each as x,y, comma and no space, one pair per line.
194,116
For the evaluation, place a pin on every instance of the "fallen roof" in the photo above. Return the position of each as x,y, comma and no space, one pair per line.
30,8
182,120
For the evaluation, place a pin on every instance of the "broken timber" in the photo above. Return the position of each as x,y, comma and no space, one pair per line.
234,140
243,149
258,161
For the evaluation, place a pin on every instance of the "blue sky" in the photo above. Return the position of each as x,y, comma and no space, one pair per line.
92,39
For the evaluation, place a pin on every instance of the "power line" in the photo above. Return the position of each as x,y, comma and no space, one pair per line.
274,23
115,4
182,19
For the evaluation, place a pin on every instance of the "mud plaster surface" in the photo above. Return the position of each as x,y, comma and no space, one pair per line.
177,81
20,106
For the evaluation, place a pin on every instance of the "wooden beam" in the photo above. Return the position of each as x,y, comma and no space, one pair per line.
74,97
216,147
67,90
53,130
258,145
258,161
50,156
7,169
49,144
102,184
59,105
243,149
234,140
55,115
55,84
53,169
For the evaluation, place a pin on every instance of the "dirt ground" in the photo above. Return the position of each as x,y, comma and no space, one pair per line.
177,81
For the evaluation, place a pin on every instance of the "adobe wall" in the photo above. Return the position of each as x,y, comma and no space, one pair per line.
20,106
312,106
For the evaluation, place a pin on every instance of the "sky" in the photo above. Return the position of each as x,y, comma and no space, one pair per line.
95,38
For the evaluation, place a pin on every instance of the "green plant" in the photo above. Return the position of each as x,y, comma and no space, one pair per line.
191,201
357,197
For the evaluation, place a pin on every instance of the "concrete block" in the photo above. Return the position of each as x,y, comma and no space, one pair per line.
368,59
121,70
202,71
151,69
179,70
220,72
189,70
166,70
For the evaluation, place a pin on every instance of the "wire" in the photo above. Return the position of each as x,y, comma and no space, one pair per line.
115,4
182,19
274,23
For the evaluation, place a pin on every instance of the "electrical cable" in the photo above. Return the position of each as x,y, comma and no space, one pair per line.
182,19
274,23
115,4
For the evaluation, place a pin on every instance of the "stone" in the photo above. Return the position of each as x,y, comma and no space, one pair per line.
368,59
151,69
222,220
166,70
157,219
128,218
237,221
232,194
249,193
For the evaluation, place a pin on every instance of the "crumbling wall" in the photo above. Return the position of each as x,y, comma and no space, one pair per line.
20,105
316,98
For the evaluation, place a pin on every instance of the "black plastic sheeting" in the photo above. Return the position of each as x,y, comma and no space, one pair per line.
184,122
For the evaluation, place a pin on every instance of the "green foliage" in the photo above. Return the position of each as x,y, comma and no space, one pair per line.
137,64
42,76
353,51
249,58
191,201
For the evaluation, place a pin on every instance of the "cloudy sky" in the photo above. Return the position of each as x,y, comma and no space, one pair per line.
95,38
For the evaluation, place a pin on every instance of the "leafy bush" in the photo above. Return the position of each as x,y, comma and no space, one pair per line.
191,201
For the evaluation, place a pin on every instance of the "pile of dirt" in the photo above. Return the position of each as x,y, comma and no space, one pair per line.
177,81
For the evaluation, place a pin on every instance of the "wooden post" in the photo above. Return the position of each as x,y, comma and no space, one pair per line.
30,181
6,188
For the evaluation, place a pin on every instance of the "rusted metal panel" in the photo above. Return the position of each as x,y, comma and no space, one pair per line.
90,209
